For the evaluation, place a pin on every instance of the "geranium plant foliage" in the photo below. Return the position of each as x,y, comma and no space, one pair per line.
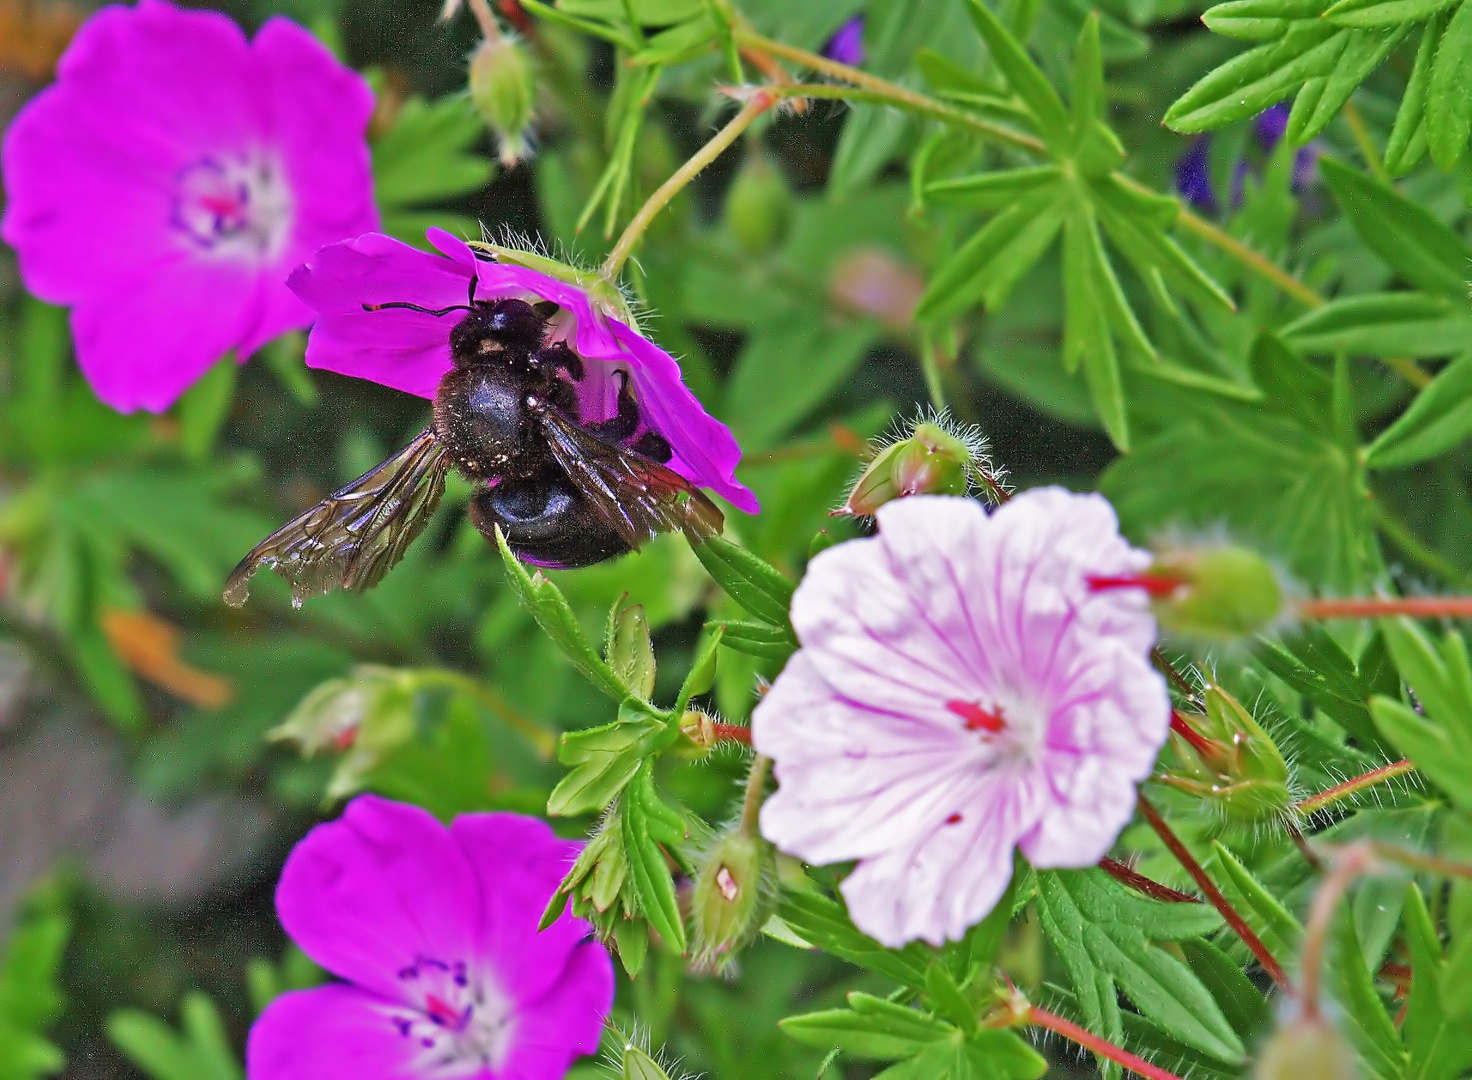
1041,431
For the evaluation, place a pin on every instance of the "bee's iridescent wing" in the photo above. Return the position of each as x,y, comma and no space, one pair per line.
351,539
636,495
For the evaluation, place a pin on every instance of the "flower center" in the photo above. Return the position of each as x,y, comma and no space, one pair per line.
459,1022
238,208
1010,732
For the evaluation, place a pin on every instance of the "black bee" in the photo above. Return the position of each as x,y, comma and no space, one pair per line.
563,491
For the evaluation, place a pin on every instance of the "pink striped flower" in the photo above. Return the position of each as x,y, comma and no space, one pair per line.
961,691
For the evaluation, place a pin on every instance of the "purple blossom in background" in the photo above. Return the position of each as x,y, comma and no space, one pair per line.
435,931
847,43
167,183
961,691
410,350
1193,176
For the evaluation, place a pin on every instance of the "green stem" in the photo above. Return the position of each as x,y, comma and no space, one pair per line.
1364,142
751,805
1349,788
760,102
900,98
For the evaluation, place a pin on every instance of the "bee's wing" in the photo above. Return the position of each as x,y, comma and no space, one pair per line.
639,497
352,538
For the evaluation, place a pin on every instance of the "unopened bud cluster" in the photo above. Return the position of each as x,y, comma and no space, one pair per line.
1225,758
502,90
934,457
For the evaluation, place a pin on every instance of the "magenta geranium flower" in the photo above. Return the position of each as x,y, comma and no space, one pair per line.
168,182
435,931
961,691
410,350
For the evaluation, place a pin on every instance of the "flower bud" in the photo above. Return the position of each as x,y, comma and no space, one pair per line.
930,461
871,281
1306,1049
1227,759
1215,592
501,88
726,907
629,648
757,205
363,716
699,727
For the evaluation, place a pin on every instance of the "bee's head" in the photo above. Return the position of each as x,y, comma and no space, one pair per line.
494,327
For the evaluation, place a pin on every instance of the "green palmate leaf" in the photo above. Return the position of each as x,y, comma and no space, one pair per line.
1381,13
646,822
426,158
1408,138
1322,97
554,615
1449,92
1258,20
200,1052
1273,923
1440,741
993,190
204,406
605,759
1385,324
1312,663
825,924
30,993
870,1028
988,265
1025,77
1086,323
1371,1030
1418,246
1439,419
1241,1002
1247,84
1104,934
1437,1029
752,582
757,639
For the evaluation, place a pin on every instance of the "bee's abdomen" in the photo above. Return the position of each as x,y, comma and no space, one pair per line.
480,417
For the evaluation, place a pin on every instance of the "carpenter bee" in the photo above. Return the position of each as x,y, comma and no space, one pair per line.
564,492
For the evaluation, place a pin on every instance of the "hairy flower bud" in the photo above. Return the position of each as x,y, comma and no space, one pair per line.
1306,1049
1227,759
757,205
1218,592
726,908
929,461
363,716
501,88
699,727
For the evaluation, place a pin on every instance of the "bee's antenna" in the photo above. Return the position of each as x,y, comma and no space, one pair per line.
415,307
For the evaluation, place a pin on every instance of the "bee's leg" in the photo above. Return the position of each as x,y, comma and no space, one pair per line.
564,396
654,445
559,357
622,425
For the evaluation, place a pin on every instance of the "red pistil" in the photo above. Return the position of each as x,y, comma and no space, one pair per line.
1161,585
1199,742
445,1014
345,738
977,718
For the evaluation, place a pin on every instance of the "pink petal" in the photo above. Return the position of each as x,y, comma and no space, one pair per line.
520,862
565,1023
330,1033
382,887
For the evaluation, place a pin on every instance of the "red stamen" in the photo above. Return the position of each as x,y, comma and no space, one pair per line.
345,738
976,717
954,819
442,1012
1199,742
1161,585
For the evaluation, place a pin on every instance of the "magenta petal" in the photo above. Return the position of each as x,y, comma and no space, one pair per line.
384,886
520,862
566,1023
142,346
331,1033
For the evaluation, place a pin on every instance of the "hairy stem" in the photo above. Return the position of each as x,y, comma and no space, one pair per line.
1141,884
1377,607
915,103
1356,124
1323,799
1095,1045
731,733
1349,863
488,25
751,805
760,102
1218,901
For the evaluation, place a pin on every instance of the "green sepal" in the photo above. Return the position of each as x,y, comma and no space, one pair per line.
751,581
605,759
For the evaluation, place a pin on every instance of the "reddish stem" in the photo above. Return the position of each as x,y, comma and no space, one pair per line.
1099,1047
1177,680
1154,584
1141,884
1218,901
1317,802
732,733
1420,607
